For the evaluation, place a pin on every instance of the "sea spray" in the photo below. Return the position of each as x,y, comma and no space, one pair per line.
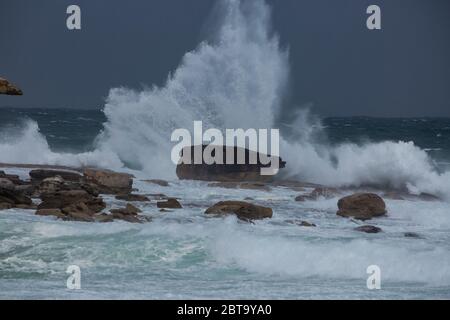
237,79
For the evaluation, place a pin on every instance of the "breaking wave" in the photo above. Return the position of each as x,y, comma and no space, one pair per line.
236,80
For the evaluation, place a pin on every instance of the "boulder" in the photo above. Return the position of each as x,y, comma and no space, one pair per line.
161,183
301,223
109,182
62,199
50,212
170,203
9,89
412,235
128,210
7,184
51,185
368,229
225,172
129,214
5,205
11,196
38,175
243,210
133,197
362,206
78,212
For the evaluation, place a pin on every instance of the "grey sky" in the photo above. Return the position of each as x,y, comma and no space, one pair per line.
337,64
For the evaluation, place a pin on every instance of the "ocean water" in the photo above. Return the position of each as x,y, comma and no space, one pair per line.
238,79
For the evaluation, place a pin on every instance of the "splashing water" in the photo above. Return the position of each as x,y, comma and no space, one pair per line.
236,80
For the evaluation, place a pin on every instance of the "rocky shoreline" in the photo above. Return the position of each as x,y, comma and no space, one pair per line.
77,194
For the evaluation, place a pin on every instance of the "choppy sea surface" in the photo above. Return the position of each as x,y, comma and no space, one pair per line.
186,255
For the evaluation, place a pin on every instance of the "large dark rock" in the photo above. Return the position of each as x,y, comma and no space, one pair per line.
243,210
63,199
109,182
368,229
38,175
224,172
159,182
362,206
10,197
170,203
9,89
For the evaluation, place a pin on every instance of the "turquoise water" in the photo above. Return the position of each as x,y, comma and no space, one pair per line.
184,254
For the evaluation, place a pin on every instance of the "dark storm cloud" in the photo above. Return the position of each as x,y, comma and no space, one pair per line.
337,64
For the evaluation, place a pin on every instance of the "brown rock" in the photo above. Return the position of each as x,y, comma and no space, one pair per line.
301,223
128,210
38,175
243,210
62,199
368,229
50,212
9,194
133,197
78,212
5,205
110,182
104,218
362,206
9,89
158,182
225,172
170,203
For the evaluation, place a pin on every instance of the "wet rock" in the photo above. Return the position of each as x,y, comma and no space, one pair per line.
368,229
243,210
50,212
162,183
5,205
170,203
7,184
129,214
225,172
412,235
362,206
78,212
109,182
133,197
38,175
128,210
11,196
63,199
301,223
104,218
9,89
51,185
